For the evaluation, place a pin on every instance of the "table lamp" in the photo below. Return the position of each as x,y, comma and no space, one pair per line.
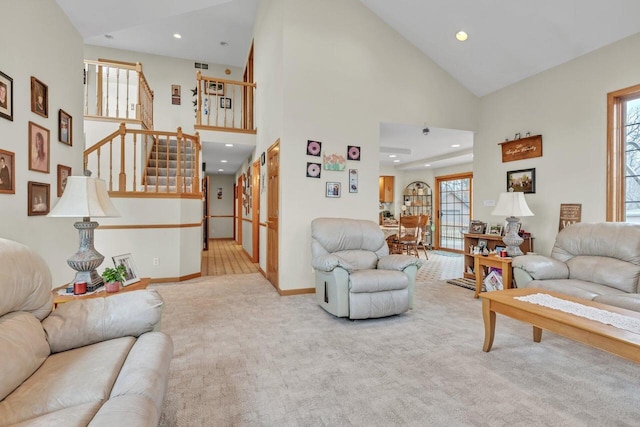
85,197
513,205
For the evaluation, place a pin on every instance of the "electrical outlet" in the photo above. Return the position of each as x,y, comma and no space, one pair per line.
156,261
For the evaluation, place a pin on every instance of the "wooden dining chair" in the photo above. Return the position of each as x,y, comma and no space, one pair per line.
410,234
423,223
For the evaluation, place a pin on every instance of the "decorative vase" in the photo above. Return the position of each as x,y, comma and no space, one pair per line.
111,287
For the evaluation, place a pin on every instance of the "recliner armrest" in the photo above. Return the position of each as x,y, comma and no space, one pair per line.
328,262
398,262
79,323
541,267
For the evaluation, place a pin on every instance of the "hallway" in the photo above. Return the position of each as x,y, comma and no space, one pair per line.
225,256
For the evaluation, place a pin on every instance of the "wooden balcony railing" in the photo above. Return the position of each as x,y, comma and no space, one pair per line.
117,91
147,161
225,105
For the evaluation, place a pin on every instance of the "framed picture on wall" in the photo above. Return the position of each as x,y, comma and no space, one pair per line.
523,180
6,96
64,172
39,97
333,189
7,172
64,128
38,148
214,88
38,199
225,102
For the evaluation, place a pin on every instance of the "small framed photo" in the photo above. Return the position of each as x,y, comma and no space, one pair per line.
523,180
6,96
39,97
64,128
333,189
495,229
7,172
476,227
353,152
131,274
214,88
353,180
38,200
175,94
38,148
64,172
225,102
314,148
517,136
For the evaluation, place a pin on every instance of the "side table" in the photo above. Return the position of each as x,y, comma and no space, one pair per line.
61,299
481,261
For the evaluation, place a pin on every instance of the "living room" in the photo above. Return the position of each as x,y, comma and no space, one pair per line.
313,85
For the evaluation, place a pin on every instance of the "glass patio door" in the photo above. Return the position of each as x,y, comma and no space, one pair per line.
454,210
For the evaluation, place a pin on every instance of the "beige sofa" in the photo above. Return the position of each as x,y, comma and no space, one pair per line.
599,262
90,362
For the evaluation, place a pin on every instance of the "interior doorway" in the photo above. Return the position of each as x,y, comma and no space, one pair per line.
273,201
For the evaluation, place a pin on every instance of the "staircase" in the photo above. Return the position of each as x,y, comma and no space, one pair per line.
170,169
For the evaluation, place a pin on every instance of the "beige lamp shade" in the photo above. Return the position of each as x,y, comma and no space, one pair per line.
512,204
84,197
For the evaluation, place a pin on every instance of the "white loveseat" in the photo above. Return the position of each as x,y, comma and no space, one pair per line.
599,262
90,362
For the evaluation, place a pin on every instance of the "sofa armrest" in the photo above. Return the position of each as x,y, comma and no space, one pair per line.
328,262
541,267
80,323
398,262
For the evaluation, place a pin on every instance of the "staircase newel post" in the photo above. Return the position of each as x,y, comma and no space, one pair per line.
179,177
199,98
122,178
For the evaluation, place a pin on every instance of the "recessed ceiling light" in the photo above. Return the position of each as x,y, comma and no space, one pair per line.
223,161
220,170
391,156
228,145
427,164
224,43
108,36
177,36
455,145
396,161
461,36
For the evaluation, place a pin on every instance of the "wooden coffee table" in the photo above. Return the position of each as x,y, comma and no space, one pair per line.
600,335
60,299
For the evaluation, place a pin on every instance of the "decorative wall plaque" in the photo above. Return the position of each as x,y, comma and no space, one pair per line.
570,213
524,148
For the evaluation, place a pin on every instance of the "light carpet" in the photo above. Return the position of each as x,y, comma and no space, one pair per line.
245,356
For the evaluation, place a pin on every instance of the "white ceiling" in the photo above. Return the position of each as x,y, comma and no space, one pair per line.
509,40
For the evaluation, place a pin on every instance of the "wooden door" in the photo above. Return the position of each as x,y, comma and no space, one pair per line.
273,201
205,213
255,209
453,195
239,189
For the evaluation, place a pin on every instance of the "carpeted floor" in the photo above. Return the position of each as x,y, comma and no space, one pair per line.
245,356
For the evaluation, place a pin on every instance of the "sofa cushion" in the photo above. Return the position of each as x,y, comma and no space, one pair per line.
607,271
23,348
84,322
359,259
628,301
25,281
75,416
368,305
377,280
75,377
577,288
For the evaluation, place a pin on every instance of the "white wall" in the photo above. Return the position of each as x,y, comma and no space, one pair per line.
53,54
221,228
336,57
567,105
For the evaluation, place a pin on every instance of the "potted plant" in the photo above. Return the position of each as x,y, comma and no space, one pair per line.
113,277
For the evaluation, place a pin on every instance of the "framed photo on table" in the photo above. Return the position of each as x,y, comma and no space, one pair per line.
131,273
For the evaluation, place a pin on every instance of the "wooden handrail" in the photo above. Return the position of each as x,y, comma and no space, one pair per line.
224,104
185,178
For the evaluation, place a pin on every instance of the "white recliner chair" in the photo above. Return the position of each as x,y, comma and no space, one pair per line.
355,275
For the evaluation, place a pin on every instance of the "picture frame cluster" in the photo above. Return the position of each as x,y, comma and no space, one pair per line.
333,162
38,147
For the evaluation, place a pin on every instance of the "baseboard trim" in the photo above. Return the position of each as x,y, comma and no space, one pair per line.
175,279
289,292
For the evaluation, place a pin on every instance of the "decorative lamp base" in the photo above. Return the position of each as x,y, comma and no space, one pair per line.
511,237
87,259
